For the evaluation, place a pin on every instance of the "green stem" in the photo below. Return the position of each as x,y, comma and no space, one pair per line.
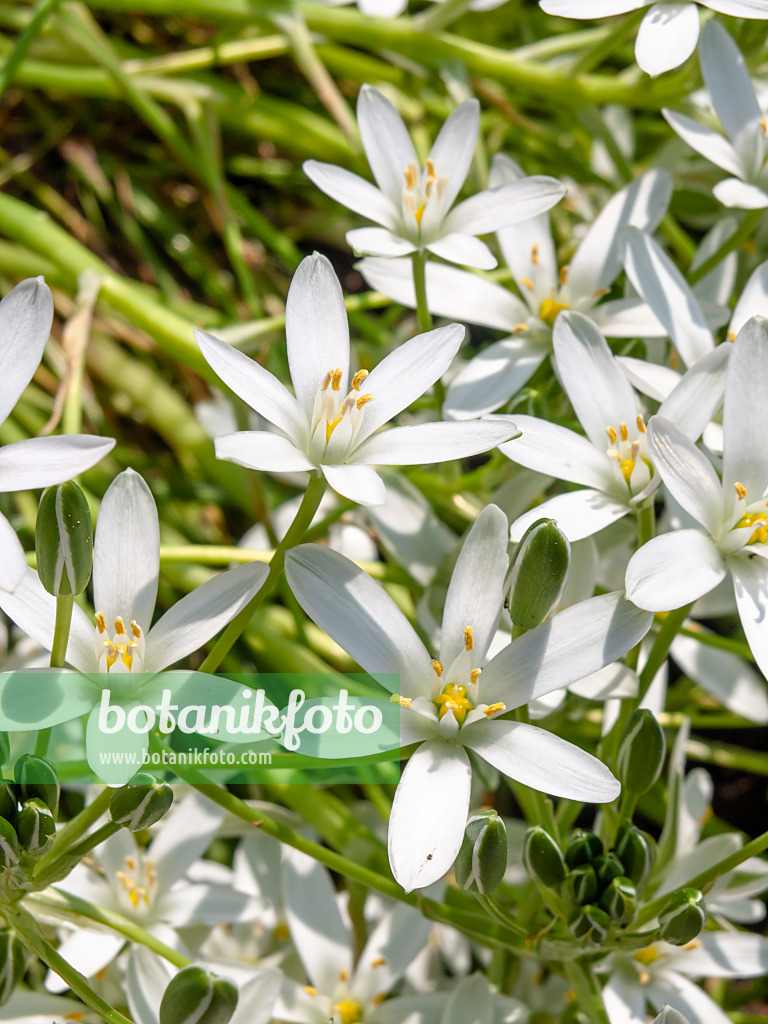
583,980
419,260
74,828
607,46
309,505
64,605
741,234
24,41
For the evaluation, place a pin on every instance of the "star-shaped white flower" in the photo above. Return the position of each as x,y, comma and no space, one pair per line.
414,204
678,567
669,31
26,314
332,424
453,702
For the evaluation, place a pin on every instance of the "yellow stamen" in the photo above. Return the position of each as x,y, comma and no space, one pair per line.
362,400
640,423
310,990
550,310
410,178
431,169
453,698
330,426
349,1012
646,956
469,638
527,282
612,435
358,379
627,465
438,667
328,378
741,491
535,254
418,213
379,962
564,274
133,896
601,292
474,675
119,627
731,336
644,977
343,974
336,380
130,863
379,998
101,622
519,328
624,431
758,519
764,125
493,708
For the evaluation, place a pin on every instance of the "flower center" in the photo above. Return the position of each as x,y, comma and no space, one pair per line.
751,521
137,880
453,698
418,194
331,410
123,652
349,1012
631,464
550,310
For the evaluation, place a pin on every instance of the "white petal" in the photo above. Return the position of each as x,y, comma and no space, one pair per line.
699,394
590,8
750,583
359,615
664,288
195,824
673,570
579,514
255,385
406,373
727,80
26,315
426,443
263,450
454,148
452,293
745,459
426,828
667,986
599,392
378,242
386,141
717,285
396,941
558,452
734,193
642,204
724,675
198,616
463,249
543,761
753,300
493,376
357,482
317,930
667,37
658,382
627,318
724,955
316,329
13,563
687,472
624,999
739,8
42,461
474,595
572,644
129,746
352,191
508,204
126,552
711,144
88,952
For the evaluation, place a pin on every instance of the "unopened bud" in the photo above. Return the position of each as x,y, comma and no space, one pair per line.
582,883
141,803
13,964
582,848
607,867
196,996
641,752
9,845
637,851
538,574
542,857
482,859
619,900
670,1016
683,917
35,826
8,801
36,777
590,923
64,540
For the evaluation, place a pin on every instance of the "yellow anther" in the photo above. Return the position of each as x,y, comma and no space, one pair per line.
731,336
612,435
76,1017
438,667
133,896
405,702
474,675
358,379
493,708
600,293
431,169
310,990
527,282
624,431
379,998
362,400
741,491
343,974
130,863
101,622
640,423
550,310
519,328
646,956
336,380
410,178
349,1012
418,213
644,977
327,381
535,254
379,962
693,944
469,638
564,274
136,629
764,125
119,626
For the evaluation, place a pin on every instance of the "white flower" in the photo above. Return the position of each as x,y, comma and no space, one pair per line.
498,372
122,641
679,567
414,204
743,152
612,463
330,424
391,8
669,31
453,702
26,314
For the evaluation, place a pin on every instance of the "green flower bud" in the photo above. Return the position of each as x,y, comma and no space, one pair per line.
620,900
539,570
670,1016
582,883
637,851
35,826
582,848
641,752
196,997
13,964
36,777
683,917
141,803
9,845
5,747
607,867
482,859
8,802
64,540
590,923
542,857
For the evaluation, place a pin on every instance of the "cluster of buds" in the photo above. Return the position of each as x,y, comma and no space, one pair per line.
196,995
